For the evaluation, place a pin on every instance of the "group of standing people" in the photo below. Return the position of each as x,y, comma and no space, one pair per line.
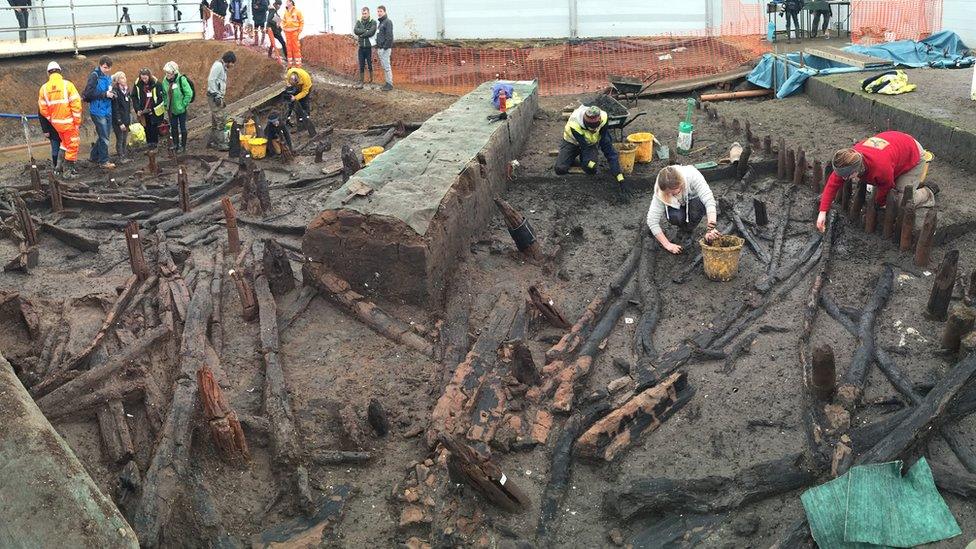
379,32
269,21
159,105
819,9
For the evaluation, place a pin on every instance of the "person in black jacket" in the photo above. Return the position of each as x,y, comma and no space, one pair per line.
273,22
52,135
276,132
121,115
259,8
364,31
149,102
384,46
22,16
793,9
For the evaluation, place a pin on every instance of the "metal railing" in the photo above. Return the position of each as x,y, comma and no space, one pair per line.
119,22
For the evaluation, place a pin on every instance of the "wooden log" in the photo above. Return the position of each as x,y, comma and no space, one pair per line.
790,165
217,293
288,314
871,212
350,162
759,209
800,172
376,417
137,258
643,413
781,160
856,206
170,463
321,148
152,168
938,304
465,466
741,348
333,457
547,307
907,227
182,185
54,187
781,226
953,480
196,215
116,440
817,181
71,238
845,194
923,249
746,234
736,127
225,428
767,146
311,530
851,388
277,267
960,322
770,280
712,493
650,298
520,230
824,373
126,386
891,214
520,363
742,166
245,291
25,221
970,297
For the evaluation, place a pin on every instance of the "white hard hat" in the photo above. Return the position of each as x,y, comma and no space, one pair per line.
53,66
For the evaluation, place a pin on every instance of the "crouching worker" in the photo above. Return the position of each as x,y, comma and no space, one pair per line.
586,131
890,161
683,198
277,134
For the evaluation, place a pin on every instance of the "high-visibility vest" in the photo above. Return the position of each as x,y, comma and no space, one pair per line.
293,21
58,101
304,81
575,123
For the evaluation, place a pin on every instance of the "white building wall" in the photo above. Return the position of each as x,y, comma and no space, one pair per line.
960,16
97,11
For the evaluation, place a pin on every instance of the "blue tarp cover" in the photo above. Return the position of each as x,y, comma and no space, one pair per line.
941,50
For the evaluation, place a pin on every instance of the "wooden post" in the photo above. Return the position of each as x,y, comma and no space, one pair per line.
183,185
35,177
971,291
321,149
234,150
800,171
891,213
245,290
857,203
759,207
743,164
945,279
871,213
225,427
824,372
816,182
923,248
790,165
350,162
137,259
520,229
57,205
153,167
767,145
735,126
781,160
277,268
907,227
748,132
960,323
230,216
903,205
845,195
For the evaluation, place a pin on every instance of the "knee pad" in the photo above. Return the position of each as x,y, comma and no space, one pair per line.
561,170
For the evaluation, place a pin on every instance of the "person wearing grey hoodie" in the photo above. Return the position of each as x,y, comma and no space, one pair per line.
683,197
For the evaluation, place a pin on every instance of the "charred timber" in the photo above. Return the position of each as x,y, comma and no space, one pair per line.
851,388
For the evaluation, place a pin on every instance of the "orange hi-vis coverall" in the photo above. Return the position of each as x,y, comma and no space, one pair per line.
292,24
59,102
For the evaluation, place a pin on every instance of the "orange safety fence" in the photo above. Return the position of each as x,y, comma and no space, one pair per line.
874,21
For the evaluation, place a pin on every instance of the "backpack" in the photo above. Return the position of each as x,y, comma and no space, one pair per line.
192,88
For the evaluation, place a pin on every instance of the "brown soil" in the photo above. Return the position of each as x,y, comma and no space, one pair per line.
331,360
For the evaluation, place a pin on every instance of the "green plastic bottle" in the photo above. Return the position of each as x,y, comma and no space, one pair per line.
686,130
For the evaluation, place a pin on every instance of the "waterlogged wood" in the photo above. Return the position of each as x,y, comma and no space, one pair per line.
923,248
547,307
851,388
514,220
483,476
938,304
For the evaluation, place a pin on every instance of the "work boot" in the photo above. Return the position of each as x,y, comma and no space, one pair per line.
387,87
69,171
934,187
59,165
107,166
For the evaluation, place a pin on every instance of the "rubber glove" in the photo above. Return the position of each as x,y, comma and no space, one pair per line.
591,164
620,178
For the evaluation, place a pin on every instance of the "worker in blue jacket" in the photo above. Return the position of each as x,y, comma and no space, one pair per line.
98,94
585,132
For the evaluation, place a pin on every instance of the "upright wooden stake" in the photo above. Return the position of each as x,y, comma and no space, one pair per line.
905,199
923,249
520,229
25,221
800,172
743,164
759,207
245,290
137,259
748,132
234,150
230,216
225,428
790,165
767,144
857,203
735,126
816,182
35,177
845,196
891,213
960,323
153,167
57,205
941,295
183,184
871,213
781,160
824,372
907,227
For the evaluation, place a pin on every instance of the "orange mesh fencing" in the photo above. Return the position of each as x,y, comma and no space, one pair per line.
564,68
874,21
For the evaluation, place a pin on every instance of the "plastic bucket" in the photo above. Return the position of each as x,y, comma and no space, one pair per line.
721,257
259,147
245,142
369,153
628,152
645,146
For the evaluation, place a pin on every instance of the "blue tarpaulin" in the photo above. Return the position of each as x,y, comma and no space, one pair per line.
941,50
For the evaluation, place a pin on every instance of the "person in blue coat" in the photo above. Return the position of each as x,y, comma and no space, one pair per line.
99,95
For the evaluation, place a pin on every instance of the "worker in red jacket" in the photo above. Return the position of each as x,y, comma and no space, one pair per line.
889,160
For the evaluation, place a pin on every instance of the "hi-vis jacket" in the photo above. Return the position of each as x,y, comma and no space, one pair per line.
59,102
304,81
576,125
293,21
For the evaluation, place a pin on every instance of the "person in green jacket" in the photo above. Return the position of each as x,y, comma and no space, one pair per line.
179,94
819,8
364,31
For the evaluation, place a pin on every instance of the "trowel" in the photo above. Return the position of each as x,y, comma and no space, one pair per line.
662,151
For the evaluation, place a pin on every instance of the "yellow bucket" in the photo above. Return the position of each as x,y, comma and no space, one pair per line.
369,153
628,151
721,257
250,128
645,146
259,147
245,142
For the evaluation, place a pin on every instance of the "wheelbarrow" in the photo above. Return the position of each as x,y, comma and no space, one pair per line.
627,88
618,117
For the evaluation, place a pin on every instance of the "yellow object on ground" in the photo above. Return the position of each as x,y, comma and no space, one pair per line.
628,153
721,257
250,128
245,142
259,147
137,135
645,146
369,153
926,158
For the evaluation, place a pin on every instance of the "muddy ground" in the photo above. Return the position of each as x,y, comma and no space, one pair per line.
331,360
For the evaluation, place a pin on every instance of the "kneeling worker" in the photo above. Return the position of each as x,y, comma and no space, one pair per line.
298,85
888,161
683,197
584,132
277,135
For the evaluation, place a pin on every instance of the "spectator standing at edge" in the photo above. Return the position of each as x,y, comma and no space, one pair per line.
364,31
274,30
205,15
98,94
149,102
216,90
259,8
219,10
58,101
292,23
820,8
179,94
51,135
238,14
22,15
793,9
121,115
384,46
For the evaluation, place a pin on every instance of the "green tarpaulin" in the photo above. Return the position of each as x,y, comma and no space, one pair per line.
875,506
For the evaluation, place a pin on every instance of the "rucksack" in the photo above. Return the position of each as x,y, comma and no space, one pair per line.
192,88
